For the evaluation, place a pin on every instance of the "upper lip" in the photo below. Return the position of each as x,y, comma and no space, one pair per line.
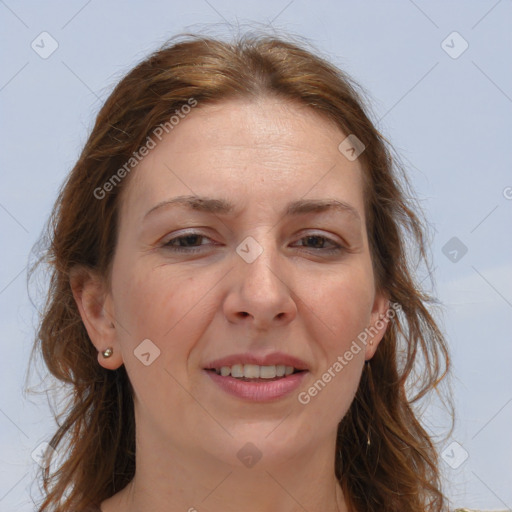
275,358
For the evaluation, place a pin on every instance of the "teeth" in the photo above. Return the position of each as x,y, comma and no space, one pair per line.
237,370
267,372
253,371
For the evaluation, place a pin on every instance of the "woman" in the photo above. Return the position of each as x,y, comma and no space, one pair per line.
231,302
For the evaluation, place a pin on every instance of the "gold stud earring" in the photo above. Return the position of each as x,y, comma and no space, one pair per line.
107,353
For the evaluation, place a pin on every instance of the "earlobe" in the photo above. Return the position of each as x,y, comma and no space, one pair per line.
109,359
94,302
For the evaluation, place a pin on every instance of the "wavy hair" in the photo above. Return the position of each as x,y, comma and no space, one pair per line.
385,459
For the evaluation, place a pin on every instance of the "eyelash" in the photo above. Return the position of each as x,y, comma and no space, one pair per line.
191,250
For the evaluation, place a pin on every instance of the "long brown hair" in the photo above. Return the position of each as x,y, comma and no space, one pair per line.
399,469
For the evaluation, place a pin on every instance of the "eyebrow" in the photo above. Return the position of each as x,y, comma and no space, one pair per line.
221,206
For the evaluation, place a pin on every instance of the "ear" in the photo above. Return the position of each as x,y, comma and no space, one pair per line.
380,316
95,305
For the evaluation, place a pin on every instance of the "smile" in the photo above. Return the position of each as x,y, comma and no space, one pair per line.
257,389
254,371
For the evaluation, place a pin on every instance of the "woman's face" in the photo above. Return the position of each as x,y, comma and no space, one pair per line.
244,266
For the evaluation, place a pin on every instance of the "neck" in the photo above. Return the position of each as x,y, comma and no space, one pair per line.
171,479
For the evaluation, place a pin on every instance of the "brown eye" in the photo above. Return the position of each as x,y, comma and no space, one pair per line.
317,242
185,241
320,243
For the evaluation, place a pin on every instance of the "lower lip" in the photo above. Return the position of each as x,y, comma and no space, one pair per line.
258,391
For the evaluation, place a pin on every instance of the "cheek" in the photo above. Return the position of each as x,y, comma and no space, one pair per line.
150,305
152,301
168,308
339,304
342,308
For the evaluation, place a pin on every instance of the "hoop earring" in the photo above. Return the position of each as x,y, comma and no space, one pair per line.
368,440
107,353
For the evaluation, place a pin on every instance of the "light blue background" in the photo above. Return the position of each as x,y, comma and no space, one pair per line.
450,120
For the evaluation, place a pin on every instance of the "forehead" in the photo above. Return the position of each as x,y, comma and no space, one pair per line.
265,149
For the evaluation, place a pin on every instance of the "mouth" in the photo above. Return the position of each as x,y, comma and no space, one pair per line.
258,377
256,373
256,383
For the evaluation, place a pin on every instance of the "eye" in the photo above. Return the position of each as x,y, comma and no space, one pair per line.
319,242
190,243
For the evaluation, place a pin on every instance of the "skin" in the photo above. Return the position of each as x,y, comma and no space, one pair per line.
197,307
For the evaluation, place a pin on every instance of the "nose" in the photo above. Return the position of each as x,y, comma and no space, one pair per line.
260,294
